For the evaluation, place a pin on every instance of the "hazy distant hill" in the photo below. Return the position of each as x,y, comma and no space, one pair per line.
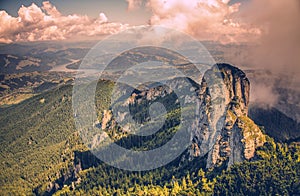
276,123
18,58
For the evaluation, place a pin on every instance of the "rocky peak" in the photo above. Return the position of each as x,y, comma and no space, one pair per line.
221,129
238,88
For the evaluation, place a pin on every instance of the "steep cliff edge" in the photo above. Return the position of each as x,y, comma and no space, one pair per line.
221,128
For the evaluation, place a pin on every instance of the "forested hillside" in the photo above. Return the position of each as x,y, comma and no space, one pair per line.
42,154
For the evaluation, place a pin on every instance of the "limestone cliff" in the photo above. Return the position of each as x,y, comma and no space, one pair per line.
220,128
223,128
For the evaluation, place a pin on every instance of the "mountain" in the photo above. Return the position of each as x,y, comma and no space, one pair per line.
275,104
15,88
17,64
216,111
41,57
238,136
222,136
34,140
276,123
42,152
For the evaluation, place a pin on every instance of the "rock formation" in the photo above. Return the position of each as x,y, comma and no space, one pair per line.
220,127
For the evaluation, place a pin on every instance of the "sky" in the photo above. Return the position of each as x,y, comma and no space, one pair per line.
40,20
219,20
115,10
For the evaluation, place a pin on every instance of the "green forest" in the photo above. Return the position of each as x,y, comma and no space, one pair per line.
274,171
41,153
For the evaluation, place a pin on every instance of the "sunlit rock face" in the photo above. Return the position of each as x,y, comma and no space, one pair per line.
220,127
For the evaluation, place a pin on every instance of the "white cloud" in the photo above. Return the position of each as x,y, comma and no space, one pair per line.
134,4
47,23
203,19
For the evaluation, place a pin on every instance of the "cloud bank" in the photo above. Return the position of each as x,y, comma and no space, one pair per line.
278,50
203,19
47,23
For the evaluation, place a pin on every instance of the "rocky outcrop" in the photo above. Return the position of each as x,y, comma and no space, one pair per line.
220,127
223,129
107,116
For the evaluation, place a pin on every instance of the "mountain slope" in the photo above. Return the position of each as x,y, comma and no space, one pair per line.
223,128
42,153
276,123
33,135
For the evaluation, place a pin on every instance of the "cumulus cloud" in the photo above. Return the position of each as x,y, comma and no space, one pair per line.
47,23
50,9
134,4
203,19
